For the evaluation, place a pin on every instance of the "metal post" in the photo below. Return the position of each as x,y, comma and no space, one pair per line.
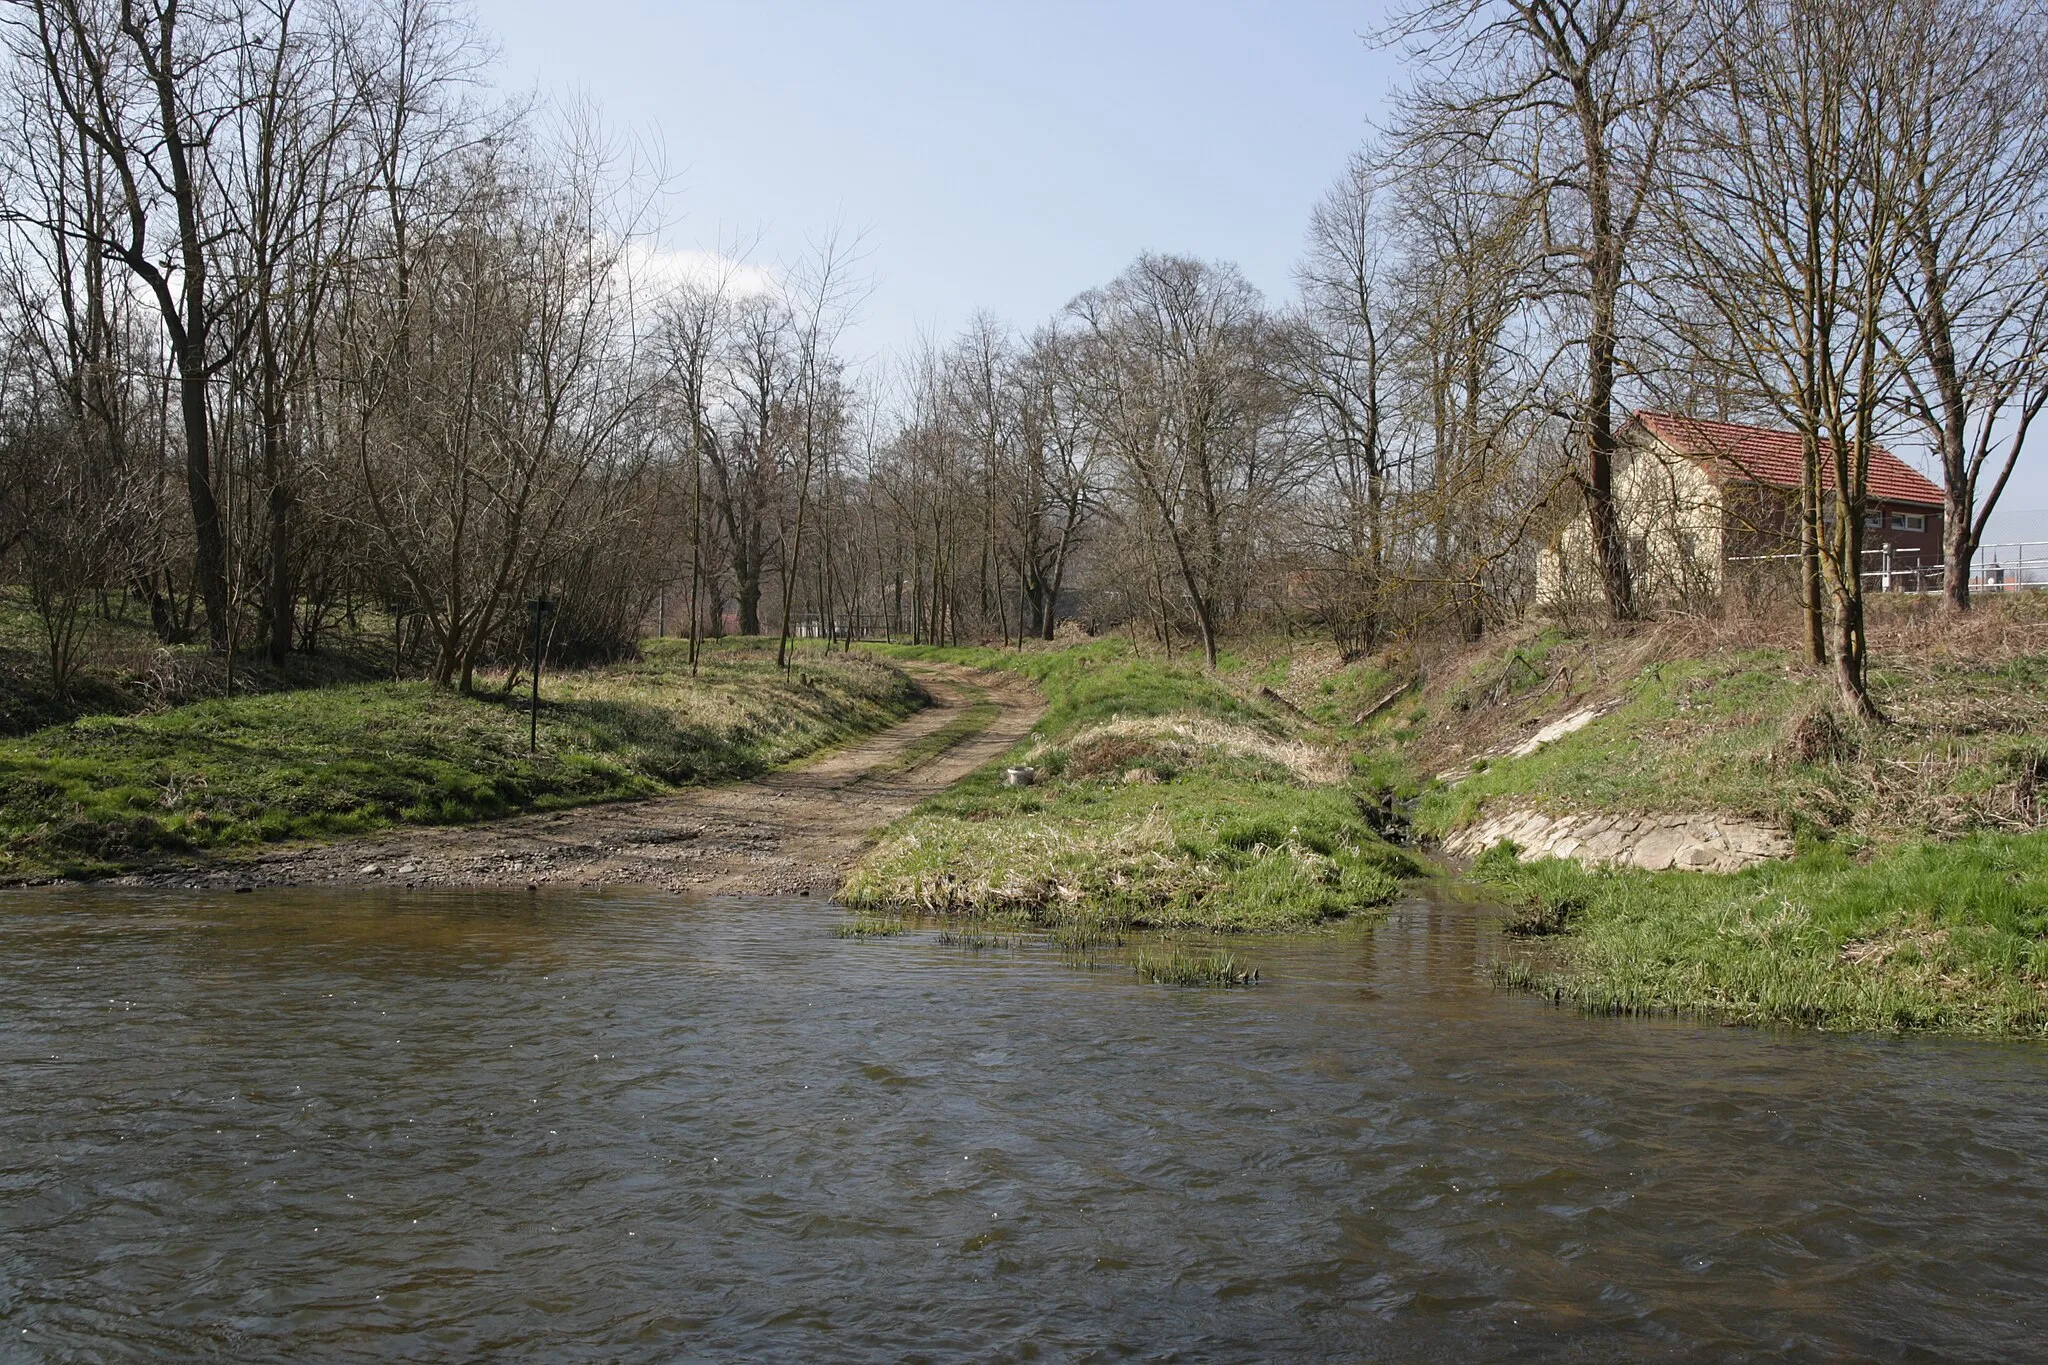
541,607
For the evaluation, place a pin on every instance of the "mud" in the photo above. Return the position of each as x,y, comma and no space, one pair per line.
792,832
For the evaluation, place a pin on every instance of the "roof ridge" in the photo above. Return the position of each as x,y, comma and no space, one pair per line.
1768,455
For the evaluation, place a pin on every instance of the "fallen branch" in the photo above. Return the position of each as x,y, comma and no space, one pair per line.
1384,702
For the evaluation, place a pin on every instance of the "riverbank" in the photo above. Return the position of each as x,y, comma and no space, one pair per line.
1951,937
108,794
1913,896
1165,798
792,831
117,665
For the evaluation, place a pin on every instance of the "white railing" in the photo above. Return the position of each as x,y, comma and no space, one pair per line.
2005,567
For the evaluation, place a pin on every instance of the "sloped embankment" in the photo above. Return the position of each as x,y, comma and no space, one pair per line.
1896,875
1165,800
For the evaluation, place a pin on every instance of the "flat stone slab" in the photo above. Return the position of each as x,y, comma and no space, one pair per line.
1705,842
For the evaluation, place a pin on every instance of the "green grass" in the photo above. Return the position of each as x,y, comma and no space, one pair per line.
107,792
870,928
1924,936
1689,735
1178,968
1091,683
1220,833
124,669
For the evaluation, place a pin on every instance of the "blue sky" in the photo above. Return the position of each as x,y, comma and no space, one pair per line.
997,157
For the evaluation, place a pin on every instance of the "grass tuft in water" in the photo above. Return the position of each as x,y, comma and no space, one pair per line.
975,941
867,927
1193,969
1082,937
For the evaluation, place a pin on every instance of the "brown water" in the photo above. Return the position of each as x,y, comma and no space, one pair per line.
348,1126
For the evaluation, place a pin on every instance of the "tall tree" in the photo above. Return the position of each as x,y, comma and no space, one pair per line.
146,87
1972,145
1336,365
1788,208
1176,393
1576,96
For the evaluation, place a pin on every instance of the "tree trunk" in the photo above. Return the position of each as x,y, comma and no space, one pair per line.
749,577
1810,590
1609,545
278,542
1852,657
1956,550
209,539
1603,288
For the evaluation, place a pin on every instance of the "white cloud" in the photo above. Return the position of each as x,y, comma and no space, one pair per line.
658,271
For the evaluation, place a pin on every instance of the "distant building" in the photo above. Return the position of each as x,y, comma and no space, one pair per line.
1699,500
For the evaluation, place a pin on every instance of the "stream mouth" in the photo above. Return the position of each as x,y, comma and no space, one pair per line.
444,1125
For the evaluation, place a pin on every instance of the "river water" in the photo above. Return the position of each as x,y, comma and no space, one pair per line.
441,1126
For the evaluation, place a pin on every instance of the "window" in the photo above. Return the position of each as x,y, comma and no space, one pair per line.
1909,521
1873,521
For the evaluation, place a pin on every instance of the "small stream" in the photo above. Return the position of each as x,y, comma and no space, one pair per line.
367,1126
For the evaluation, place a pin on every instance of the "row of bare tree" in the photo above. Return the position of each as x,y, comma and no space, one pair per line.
297,318
1824,214
293,314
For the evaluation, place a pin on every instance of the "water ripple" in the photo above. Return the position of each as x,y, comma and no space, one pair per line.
443,1126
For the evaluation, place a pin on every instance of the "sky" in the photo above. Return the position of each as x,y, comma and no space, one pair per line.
988,157
998,157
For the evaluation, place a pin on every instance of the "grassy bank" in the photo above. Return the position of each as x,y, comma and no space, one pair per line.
1167,799
122,668
1943,936
1917,897
112,791
1721,716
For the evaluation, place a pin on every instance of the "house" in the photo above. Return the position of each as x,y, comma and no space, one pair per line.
1699,500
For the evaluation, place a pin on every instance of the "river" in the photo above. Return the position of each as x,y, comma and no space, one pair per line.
345,1126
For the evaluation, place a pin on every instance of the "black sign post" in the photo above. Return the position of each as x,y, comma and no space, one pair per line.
541,607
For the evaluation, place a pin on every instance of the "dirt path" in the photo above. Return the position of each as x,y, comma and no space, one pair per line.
795,830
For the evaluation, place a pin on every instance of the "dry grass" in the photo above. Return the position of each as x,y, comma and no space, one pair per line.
1181,741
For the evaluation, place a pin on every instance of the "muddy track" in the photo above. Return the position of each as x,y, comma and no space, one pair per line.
793,831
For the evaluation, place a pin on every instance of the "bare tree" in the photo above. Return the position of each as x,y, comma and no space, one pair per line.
822,306
1175,393
1334,360
302,189
491,389
1053,490
146,90
1788,208
1576,97
1972,148
1469,391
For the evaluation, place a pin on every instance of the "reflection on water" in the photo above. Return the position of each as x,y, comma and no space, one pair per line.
445,1126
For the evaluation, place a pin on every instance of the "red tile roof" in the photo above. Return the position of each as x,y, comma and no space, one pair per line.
1761,455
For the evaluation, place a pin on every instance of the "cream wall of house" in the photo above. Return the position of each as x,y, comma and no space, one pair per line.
1673,518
